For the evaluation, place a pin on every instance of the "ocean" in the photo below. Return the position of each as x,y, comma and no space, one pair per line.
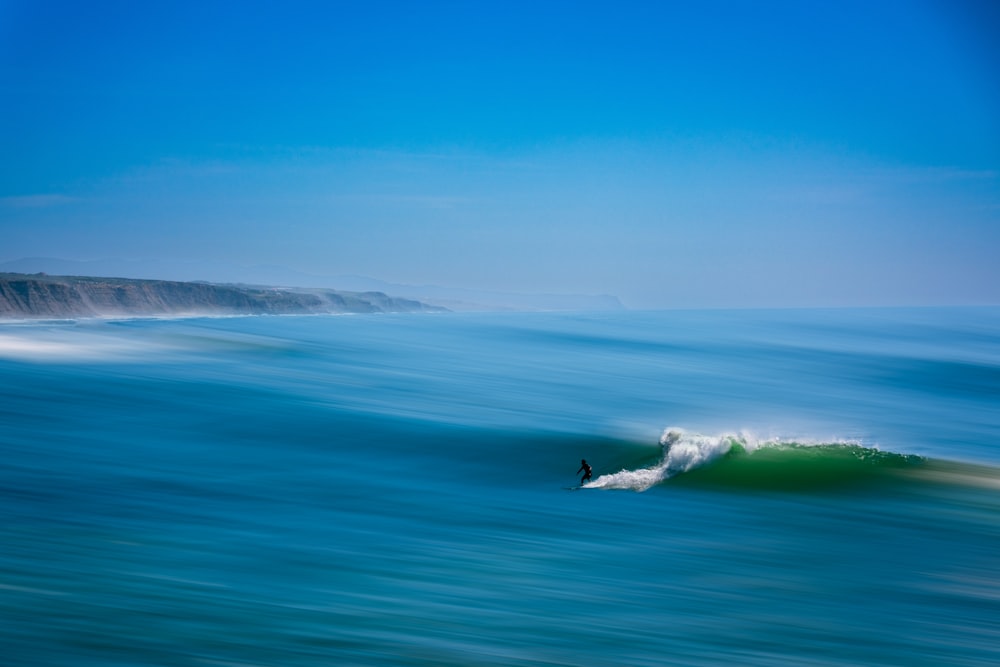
784,487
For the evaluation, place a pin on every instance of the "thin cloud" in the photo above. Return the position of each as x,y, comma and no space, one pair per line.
937,174
37,201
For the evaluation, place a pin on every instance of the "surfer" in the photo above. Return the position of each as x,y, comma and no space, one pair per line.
585,467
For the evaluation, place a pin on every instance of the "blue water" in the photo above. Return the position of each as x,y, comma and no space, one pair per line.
770,488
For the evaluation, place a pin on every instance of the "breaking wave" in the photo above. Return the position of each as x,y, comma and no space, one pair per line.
739,461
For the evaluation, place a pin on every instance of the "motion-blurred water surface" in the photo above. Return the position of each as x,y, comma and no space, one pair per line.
770,488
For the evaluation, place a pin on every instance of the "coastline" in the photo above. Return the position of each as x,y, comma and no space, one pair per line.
40,297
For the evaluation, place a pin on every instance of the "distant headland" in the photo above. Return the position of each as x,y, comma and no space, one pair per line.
452,298
42,296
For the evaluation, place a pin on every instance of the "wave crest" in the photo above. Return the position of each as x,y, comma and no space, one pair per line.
744,462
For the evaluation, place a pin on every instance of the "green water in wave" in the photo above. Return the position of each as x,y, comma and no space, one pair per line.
803,468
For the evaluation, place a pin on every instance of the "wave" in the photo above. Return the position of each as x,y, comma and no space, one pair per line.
740,461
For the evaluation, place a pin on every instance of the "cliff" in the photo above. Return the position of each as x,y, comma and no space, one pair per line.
41,296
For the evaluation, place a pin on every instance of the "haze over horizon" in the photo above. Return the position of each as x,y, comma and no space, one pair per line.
733,154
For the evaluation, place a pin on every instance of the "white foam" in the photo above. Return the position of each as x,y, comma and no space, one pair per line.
61,346
16,347
681,452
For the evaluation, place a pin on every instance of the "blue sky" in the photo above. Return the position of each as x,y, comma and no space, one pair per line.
673,154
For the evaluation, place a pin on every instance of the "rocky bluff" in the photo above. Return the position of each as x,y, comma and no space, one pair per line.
40,296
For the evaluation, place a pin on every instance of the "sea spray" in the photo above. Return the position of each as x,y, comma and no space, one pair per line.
681,452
